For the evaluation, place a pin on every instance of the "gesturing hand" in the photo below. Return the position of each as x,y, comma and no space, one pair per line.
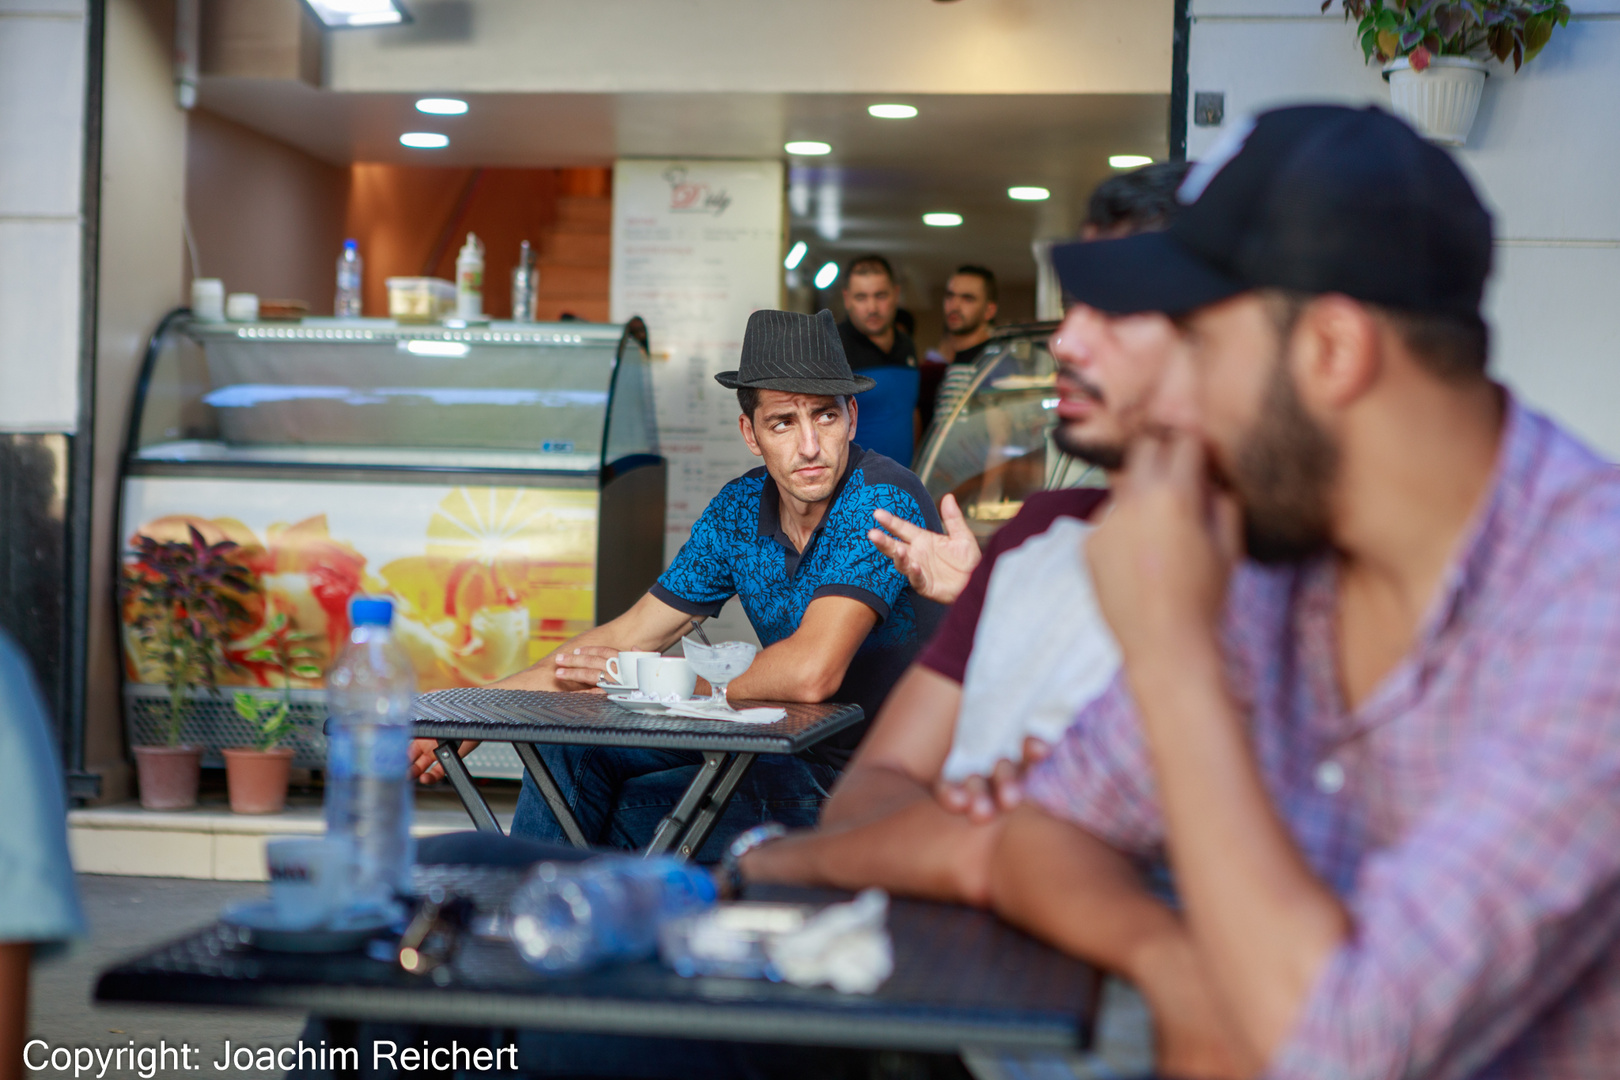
938,565
1161,559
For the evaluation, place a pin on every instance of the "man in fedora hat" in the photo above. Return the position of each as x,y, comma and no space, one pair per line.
837,620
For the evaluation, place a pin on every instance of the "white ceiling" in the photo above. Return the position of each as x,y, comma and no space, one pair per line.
960,153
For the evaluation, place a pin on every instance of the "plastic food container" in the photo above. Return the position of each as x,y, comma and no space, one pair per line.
420,299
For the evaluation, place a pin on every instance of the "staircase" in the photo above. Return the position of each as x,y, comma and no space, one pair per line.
573,260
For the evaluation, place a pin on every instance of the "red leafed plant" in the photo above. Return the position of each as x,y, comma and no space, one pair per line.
184,597
1424,29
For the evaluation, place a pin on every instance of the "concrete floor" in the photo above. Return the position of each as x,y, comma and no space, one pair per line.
128,915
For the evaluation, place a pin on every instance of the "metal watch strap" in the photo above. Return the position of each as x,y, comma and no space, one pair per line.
746,841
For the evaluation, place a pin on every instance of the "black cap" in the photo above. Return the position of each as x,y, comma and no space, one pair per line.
801,354
1314,199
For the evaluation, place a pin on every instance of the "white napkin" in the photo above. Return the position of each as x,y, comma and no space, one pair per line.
702,711
846,946
1041,652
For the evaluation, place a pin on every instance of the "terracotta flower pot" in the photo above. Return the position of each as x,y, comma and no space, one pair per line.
168,776
257,779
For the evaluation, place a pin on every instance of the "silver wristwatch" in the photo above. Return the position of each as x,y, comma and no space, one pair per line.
746,841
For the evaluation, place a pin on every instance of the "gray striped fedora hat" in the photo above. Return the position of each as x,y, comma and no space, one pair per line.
801,354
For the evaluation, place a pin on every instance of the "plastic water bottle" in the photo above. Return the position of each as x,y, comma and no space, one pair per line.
349,266
371,694
573,916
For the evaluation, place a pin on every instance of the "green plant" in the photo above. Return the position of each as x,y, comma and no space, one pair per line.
281,648
184,597
270,720
1423,29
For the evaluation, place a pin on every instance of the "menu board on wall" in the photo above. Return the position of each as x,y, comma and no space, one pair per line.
697,246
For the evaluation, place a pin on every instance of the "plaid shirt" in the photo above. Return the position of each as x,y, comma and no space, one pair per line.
1467,812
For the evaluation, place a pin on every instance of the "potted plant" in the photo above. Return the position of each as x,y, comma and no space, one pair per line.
256,776
184,597
1434,52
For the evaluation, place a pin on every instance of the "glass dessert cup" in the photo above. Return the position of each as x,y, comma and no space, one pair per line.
719,664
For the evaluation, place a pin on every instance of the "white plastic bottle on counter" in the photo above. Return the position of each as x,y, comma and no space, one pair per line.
349,268
470,279
371,694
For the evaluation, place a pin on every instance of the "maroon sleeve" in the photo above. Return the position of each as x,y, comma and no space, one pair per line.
948,652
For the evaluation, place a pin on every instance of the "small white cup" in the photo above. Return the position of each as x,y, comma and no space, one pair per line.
622,668
208,299
307,879
661,676
242,307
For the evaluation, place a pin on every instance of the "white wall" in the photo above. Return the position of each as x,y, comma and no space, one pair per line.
766,46
42,54
1544,153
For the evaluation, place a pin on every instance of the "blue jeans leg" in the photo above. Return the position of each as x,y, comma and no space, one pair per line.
591,779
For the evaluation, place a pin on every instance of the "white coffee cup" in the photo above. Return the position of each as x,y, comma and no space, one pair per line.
622,668
661,676
307,879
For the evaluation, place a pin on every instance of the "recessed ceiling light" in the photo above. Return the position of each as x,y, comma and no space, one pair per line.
442,106
340,14
892,112
807,148
826,275
1028,194
942,219
1128,161
795,256
424,140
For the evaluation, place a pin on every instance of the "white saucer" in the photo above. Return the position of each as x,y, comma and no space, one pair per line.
640,704
603,684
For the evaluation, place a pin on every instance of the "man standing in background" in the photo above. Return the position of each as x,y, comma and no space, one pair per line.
970,306
871,298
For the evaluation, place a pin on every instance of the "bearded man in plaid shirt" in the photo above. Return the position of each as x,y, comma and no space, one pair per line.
1382,752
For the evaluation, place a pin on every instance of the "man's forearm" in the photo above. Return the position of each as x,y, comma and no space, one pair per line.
1263,921
870,792
919,850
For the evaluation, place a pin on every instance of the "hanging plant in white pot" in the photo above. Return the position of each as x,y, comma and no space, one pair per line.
1434,52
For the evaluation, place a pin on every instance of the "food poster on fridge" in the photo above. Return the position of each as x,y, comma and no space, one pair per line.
485,580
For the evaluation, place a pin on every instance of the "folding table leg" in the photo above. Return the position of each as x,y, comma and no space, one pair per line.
703,824
529,754
455,769
670,829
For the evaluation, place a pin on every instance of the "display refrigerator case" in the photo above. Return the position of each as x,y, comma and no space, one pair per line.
991,441
502,483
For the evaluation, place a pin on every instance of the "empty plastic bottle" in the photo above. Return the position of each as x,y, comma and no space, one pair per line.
371,695
573,916
349,267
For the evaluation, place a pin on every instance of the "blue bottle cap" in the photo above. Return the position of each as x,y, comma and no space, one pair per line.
350,245
371,611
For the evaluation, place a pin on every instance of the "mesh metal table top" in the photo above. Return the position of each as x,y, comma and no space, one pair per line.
591,719
961,979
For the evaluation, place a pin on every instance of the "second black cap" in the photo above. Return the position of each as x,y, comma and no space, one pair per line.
1314,199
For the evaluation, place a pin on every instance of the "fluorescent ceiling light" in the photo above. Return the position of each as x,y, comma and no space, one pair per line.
424,347
442,106
1129,161
807,148
944,220
826,275
340,14
892,112
424,140
1028,194
795,256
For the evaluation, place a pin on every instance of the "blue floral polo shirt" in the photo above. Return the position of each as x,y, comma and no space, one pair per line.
738,548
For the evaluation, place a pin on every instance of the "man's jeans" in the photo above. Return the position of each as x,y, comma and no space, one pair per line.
619,795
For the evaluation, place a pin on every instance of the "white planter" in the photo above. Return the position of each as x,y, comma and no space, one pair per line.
1441,100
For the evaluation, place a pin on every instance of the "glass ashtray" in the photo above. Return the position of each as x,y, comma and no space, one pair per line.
729,939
